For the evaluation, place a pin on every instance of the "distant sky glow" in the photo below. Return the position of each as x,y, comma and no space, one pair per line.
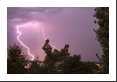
73,26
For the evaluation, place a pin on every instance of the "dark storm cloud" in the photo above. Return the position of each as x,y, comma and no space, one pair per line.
26,13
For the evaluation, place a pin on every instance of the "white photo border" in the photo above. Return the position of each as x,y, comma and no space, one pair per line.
58,77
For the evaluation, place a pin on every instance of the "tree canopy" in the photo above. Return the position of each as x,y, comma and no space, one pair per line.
102,15
55,62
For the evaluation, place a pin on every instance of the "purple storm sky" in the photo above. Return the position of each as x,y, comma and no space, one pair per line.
73,26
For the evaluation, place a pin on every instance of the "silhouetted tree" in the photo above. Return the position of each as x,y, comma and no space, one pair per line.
65,51
15,61
102,15
37,67
71,64
47,48
74,65
61,62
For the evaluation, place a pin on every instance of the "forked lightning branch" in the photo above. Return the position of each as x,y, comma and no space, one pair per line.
20,33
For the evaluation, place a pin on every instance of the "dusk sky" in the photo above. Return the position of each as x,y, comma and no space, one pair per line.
73,26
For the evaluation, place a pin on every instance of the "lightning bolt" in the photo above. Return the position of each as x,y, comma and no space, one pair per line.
46,38
19,34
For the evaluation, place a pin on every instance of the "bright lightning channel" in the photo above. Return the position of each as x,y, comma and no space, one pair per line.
46,38
19,34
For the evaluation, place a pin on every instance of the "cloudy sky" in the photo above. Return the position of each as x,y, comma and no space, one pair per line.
73,26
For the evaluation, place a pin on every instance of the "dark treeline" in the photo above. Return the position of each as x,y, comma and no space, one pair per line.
61,61
55,62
